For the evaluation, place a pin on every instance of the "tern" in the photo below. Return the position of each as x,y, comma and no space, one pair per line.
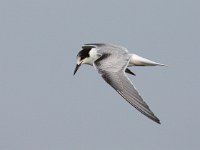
111,62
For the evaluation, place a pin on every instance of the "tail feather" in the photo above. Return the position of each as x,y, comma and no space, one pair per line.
140,61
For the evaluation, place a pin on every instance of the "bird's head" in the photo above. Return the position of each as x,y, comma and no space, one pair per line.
87,55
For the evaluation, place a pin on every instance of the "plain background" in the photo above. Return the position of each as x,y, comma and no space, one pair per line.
44,107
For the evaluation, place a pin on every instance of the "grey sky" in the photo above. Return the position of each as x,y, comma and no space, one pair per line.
44,107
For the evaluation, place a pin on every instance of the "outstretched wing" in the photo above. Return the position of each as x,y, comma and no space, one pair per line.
120,82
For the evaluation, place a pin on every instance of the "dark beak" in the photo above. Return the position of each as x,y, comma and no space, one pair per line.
77,66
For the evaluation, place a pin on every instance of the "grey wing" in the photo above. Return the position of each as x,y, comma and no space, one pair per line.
120,82
112,68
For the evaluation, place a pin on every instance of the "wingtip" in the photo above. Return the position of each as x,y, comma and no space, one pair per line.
157,120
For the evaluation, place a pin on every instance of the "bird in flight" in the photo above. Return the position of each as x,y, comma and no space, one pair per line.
111,62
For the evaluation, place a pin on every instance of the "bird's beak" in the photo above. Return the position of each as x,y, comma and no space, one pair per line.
77,66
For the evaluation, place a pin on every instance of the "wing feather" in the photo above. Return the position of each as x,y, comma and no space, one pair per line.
120,82
117,79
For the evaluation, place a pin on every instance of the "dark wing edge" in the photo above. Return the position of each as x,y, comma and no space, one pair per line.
120,82
129,72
